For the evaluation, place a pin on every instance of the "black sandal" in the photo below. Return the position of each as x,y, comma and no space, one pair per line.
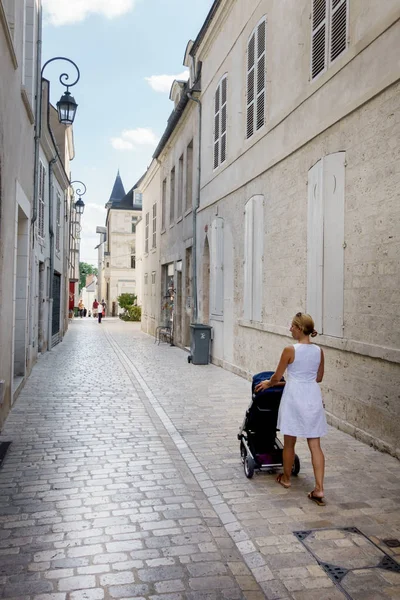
317,499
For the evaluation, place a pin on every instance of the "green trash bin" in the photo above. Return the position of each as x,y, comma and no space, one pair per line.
200,344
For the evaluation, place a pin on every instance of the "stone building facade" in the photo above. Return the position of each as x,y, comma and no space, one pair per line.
119,257
19,30
298,205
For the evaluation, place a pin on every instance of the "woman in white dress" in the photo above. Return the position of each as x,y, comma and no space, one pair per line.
301,412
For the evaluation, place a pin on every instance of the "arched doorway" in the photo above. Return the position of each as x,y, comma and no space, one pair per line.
206,283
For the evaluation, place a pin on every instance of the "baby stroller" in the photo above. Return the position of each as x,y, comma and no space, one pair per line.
259,447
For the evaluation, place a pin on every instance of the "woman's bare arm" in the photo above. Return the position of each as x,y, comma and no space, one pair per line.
286,358
320,374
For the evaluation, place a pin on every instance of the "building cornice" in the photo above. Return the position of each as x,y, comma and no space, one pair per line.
212,26
150,174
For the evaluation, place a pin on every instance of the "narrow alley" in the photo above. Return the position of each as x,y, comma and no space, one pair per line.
124,480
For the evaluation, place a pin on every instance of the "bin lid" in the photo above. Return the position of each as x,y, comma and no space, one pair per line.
200,326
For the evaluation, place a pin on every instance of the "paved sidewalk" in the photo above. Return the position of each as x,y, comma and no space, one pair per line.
124,480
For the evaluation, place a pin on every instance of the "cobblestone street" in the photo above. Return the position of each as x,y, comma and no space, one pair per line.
124,480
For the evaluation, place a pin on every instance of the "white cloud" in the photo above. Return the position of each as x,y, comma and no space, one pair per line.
132,138
162,83
64,12
120,144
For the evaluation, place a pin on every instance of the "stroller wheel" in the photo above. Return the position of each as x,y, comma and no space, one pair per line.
296,465
249,465
243,453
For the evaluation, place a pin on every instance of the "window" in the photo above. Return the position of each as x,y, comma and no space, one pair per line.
133,256
146,278
134,223
253,258
58,222
138,198
180,188
153,278
256,77
154,243
329,33
146,233
217,266
220,122
325,240
163,204
42,182
189,177
172,198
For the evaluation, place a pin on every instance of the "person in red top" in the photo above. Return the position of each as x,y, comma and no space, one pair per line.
95,307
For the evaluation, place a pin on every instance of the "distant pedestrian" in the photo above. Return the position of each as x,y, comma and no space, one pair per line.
100,312
81,308
104,305
95,307
301,412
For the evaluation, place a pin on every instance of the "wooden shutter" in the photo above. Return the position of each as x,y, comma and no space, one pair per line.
319,37
146,234
261,66
256,78
224,86
42,182
333,207
250,96
217,266
154,240
217,105
220,122
315,245
338,28
172,198
248,262
163,204
258,255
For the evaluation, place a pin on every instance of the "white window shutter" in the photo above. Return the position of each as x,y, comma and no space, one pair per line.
333,206
217,106
261,75
248,262
319,43
258,252
224,87
338,28
315,245
251,83
256,79
217,267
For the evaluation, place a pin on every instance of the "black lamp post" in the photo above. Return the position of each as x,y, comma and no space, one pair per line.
66,106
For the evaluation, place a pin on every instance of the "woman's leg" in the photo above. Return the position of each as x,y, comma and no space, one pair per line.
288,457
318,463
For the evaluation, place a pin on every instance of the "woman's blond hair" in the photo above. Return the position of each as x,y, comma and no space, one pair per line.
305,323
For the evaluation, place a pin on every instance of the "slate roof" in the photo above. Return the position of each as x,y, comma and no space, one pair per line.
126,202
117,194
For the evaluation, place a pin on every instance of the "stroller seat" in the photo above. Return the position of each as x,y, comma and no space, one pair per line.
259,446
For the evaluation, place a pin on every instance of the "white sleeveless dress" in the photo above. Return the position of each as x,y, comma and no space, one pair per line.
301,411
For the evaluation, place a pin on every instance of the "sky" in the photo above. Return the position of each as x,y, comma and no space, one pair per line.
128,52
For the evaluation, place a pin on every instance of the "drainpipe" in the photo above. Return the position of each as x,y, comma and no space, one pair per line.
51,234
38,118
196,206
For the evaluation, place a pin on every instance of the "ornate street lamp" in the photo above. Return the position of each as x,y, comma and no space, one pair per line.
79,204
66,106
